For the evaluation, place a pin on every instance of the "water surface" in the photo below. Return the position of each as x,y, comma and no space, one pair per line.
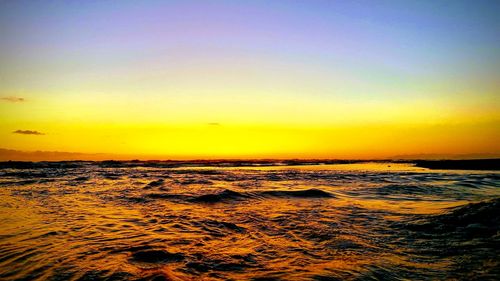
383,221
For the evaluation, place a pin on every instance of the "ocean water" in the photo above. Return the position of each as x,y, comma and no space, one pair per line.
384,221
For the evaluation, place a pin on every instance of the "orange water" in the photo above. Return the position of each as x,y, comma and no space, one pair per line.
331,222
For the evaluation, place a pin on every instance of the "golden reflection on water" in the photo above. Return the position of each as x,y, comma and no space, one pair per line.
217,224
362,166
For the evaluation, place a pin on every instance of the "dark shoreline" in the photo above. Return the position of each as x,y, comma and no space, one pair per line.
473,164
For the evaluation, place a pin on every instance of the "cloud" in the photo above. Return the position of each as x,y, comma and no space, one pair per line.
213,124
28,132
12,99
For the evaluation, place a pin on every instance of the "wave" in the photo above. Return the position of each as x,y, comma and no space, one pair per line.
155,256
481,218
224,195
305,193
125,223
465,237
230,195
474,219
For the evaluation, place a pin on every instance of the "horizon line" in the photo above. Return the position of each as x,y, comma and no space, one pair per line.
54,156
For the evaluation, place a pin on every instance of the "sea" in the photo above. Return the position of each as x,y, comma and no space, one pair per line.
78,220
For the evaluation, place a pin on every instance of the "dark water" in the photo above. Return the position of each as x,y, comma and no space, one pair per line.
86,221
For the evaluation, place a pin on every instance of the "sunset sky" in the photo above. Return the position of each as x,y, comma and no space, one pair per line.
251,79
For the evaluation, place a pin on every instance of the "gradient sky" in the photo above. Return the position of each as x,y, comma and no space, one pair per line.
251,79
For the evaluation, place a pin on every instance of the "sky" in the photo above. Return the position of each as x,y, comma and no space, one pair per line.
251,79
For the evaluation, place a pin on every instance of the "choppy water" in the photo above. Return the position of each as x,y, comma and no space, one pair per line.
85,221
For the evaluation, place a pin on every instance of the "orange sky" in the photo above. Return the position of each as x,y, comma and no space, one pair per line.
192,80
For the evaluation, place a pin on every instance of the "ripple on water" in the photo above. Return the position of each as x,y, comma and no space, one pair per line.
115,221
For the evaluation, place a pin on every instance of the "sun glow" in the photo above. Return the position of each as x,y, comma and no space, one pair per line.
234,86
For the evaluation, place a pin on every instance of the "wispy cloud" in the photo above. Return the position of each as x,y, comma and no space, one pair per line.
12,99
28,132
213,124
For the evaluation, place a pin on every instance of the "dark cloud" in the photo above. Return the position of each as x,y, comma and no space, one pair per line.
213,124
12,99
28,132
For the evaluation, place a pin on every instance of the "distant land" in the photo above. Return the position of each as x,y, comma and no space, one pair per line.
429,156
17,155
14,158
